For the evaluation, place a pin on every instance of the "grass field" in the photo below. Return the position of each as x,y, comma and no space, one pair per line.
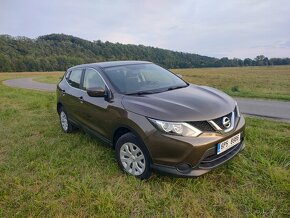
252,82
52,79
44,172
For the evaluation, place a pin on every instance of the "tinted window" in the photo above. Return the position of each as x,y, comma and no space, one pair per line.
75,78
93,80
130,79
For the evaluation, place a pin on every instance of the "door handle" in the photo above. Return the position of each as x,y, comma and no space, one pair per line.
81,99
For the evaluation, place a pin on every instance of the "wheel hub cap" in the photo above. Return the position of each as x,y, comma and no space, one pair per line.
63,120
132,159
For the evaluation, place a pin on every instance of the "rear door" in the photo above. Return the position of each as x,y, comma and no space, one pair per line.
73,94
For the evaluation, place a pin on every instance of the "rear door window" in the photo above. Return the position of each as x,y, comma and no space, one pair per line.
75,78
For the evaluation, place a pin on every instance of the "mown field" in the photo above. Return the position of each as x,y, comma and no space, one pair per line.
252,82
44,172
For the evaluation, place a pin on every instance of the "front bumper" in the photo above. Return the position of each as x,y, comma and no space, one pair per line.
187,156
204,166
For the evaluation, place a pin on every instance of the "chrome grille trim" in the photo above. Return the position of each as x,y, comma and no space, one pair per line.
214,125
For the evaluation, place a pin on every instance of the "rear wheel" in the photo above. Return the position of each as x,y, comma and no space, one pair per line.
65,124
133,157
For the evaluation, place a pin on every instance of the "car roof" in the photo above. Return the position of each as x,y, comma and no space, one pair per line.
111,64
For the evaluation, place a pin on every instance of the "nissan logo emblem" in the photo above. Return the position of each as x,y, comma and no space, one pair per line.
226,122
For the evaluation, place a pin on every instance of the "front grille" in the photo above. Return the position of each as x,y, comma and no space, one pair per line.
203,126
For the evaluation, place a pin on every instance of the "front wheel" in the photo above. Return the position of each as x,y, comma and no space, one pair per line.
133,157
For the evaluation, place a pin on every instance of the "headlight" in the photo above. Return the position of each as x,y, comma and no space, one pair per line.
181,129
237,109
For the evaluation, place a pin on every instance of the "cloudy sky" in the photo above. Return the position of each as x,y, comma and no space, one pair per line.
232,28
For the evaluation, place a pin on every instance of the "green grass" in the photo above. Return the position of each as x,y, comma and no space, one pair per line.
252,82
52,79
44,172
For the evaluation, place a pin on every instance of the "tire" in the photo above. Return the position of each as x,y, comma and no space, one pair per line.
132,156
65,124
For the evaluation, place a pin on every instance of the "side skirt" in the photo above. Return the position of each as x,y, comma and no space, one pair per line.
94,134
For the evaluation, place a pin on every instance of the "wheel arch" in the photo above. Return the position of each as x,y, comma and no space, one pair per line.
59,106
122,130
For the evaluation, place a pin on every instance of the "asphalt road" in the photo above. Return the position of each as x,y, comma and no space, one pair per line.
277,110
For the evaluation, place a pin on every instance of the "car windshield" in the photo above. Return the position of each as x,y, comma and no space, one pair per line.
143,79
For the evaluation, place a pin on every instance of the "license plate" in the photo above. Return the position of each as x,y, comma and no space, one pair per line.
225,145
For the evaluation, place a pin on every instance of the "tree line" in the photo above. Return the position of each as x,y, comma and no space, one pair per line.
60,51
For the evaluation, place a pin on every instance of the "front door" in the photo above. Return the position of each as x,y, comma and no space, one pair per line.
95,109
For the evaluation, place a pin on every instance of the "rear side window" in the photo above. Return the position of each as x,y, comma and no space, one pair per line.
75,78
92,79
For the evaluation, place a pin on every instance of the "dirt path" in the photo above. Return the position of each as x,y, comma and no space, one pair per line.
29,83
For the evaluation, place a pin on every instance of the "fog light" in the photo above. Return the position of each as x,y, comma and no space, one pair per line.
183,168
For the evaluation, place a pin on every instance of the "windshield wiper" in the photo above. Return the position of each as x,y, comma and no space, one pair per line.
176,87
153,92
141,93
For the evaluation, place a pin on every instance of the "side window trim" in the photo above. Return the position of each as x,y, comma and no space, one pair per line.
82,79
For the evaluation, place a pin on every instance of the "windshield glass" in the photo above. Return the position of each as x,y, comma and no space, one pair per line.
142,78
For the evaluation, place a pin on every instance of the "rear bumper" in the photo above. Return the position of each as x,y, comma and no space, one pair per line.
209,162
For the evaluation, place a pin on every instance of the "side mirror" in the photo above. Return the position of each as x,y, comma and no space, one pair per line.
96,92
179,75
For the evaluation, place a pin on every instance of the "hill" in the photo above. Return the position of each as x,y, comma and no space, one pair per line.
59,51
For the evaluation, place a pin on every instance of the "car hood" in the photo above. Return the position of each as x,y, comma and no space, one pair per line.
192,103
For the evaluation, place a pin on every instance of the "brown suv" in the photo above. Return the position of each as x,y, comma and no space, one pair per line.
151,117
